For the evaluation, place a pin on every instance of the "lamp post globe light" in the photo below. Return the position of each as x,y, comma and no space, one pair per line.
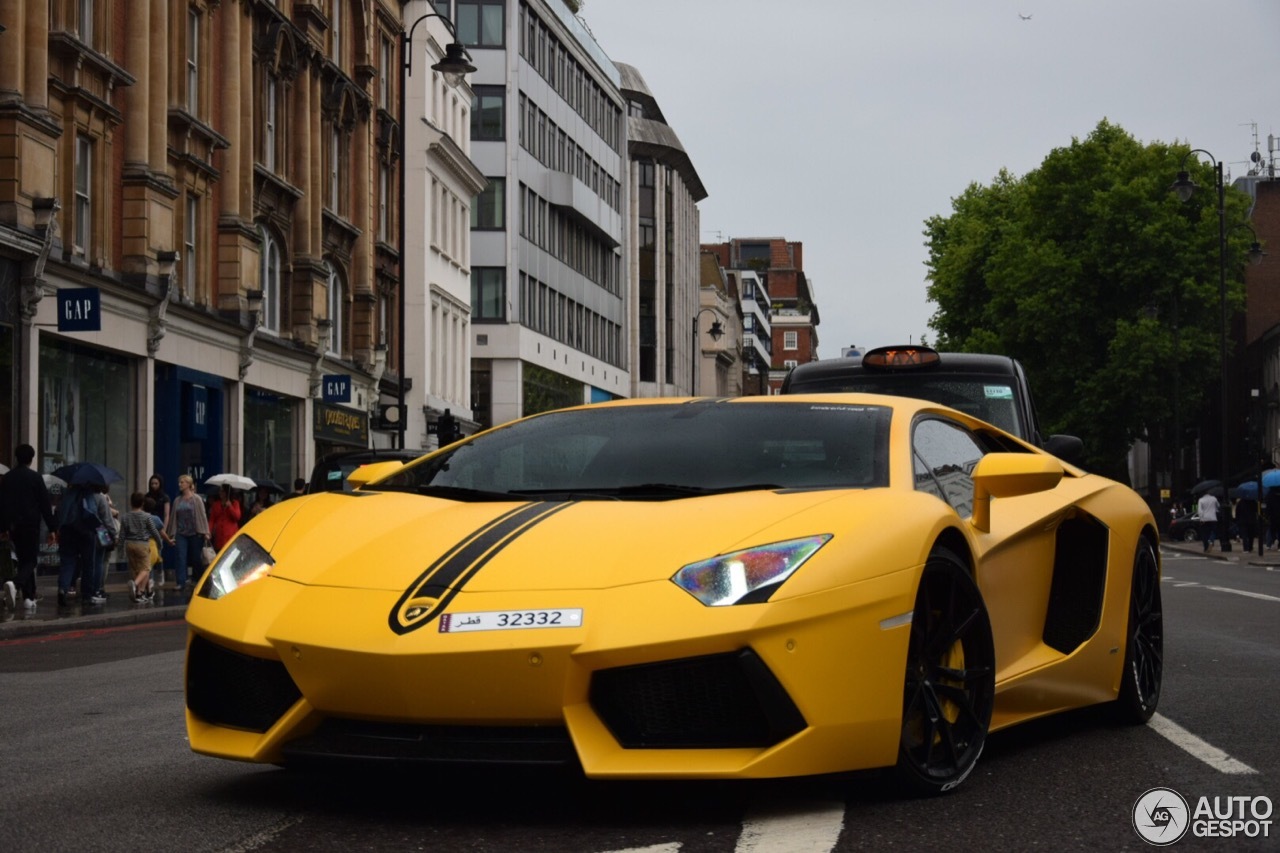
1185,188
716,331
454,67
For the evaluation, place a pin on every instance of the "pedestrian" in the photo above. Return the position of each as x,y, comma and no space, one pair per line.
261,501
299,489
76,521
155,491
24,503
189,526
224,517
1247,521
1273,517
106,536
140,533
1209,509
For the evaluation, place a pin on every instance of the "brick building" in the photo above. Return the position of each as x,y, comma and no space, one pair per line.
214,182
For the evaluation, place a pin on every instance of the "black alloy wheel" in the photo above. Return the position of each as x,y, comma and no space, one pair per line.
1144,642
1190,534
949,691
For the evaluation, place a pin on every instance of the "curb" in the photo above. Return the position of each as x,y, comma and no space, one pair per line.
21,628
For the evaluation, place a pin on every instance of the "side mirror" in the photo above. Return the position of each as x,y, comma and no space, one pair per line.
1068,448
1008,475
373,471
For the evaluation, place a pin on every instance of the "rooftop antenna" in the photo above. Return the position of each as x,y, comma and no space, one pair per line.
1256,157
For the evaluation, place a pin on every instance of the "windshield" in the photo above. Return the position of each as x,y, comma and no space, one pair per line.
989,398
662,451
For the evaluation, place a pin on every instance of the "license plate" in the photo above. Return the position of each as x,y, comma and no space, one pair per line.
505,620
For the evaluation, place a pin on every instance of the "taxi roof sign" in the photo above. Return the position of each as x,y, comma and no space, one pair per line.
901,358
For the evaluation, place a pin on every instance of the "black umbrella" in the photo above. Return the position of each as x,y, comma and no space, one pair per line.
269,485
1206,486
87,474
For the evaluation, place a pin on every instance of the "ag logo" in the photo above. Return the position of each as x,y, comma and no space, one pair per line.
1161,816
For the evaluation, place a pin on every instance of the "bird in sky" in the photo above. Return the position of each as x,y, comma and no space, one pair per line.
1024,17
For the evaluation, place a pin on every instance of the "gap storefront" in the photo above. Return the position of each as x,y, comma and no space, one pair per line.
190,411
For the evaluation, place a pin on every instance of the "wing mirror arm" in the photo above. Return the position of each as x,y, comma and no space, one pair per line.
1007,475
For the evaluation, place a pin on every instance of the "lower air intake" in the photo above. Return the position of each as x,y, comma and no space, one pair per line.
713,702
227,688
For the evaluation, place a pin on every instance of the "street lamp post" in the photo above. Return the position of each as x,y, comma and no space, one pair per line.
716,332
454,67
1184,187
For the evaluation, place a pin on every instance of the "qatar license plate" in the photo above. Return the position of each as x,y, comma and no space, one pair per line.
505,620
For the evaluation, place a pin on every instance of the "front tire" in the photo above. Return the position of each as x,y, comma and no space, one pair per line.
949,689
1190,534
1143,672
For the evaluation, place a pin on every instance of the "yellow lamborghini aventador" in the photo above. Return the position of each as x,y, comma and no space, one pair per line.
707,588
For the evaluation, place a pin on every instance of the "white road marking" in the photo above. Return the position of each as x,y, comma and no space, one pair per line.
1197,748
811,829
263,839
673,847
1259,595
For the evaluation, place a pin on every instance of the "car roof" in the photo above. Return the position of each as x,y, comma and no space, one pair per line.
948,362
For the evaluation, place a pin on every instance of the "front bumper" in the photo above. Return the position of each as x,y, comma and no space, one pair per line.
652,684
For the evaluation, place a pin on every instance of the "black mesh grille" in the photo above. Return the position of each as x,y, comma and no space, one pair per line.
338,739
712,702
1079,580
227,688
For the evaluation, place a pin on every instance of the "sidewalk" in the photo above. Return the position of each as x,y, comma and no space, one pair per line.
170,604
1235,555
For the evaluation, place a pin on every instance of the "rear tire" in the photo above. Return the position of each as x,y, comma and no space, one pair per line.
1143,674
949,688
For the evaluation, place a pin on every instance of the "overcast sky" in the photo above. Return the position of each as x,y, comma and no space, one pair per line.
845,124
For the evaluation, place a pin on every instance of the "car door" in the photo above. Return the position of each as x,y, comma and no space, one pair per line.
1014,560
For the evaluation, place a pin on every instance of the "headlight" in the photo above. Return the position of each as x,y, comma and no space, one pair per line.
746,577
244,561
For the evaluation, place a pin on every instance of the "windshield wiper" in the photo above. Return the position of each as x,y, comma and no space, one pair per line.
642,491
459,493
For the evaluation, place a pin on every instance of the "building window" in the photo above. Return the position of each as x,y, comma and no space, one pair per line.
488,211
270,277
480,22
190,228
335,31
790,363
337,169
83,221
489,293
385,69
84,21
193,62
270,118
488,113
790,340
337,312
384,187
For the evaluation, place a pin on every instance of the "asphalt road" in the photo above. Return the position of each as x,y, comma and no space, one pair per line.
95,758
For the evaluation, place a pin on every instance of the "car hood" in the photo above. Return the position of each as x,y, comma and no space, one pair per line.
390,540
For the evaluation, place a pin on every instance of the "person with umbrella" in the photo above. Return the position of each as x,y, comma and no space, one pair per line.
24,503
80,514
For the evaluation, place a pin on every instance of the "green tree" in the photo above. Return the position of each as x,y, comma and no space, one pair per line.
1098,279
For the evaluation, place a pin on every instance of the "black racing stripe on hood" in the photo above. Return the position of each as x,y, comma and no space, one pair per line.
444,578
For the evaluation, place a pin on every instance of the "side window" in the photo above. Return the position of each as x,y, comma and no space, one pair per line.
944,456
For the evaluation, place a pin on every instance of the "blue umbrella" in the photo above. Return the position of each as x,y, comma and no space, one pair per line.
1249,488
87,474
